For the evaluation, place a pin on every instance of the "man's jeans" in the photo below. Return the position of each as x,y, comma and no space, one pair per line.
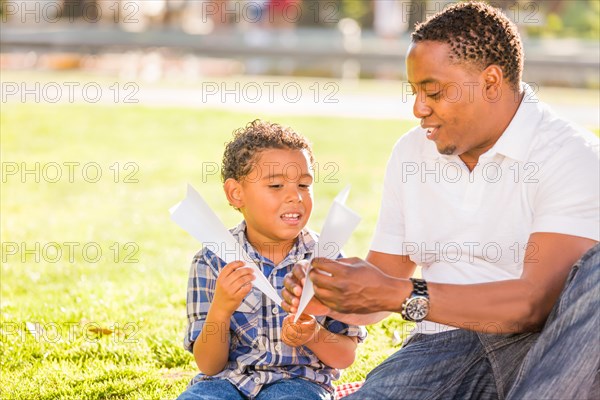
561,362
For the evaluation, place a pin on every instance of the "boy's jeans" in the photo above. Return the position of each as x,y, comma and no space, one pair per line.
284,389
561,362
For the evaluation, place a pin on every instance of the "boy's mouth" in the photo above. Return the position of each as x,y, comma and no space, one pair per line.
291,218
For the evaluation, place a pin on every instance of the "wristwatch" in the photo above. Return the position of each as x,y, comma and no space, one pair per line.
416,306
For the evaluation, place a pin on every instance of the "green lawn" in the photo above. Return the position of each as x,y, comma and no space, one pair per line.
81,324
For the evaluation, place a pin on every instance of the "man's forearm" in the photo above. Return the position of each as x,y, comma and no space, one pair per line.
505,306
515,305
510,306
359,319
498,307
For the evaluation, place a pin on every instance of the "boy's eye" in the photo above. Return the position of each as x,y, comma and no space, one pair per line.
305,186
275,186
434,95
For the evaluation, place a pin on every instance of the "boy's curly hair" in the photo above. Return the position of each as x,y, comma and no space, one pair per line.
255,137
478,34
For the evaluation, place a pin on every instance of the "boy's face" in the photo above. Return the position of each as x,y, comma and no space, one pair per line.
276,197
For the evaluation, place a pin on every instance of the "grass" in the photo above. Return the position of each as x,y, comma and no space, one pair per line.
77,324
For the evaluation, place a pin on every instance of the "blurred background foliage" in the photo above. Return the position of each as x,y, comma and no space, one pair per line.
548,18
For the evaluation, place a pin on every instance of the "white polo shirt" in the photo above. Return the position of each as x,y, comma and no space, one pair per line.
542,175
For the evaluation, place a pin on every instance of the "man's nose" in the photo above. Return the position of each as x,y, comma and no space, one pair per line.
420,108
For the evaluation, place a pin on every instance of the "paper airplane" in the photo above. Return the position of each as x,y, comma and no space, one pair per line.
339,225
197,219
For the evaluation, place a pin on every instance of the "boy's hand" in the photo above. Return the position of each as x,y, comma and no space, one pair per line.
293,285
233,284
299,333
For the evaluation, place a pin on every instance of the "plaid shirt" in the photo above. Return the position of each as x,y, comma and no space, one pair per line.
257,355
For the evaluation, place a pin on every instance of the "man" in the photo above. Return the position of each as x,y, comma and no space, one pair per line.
496,198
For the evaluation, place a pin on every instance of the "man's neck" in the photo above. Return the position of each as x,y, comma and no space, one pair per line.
505,113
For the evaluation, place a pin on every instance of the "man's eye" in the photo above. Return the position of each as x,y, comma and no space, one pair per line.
435,95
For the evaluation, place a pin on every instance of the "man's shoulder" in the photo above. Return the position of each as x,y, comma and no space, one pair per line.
558,138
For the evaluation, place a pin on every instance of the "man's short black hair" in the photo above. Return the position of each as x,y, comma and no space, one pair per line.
478,34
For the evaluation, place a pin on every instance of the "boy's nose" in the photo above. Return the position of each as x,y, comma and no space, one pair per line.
293,195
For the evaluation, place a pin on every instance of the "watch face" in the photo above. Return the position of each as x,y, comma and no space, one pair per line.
417,308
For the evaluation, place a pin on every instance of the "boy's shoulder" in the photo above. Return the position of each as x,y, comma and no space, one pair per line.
308,237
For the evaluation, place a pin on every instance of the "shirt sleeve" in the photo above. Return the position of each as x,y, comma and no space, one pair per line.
567,200
389,232
335,326
200,292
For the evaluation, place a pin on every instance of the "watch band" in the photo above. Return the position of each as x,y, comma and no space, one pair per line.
419,287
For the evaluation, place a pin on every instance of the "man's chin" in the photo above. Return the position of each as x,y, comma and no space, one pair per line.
446,150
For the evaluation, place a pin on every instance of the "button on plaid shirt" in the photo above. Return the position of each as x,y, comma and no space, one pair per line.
257,355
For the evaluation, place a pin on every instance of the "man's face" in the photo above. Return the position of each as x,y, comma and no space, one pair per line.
277,197
451,101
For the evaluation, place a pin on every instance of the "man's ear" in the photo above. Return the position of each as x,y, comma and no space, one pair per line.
493,77
234,192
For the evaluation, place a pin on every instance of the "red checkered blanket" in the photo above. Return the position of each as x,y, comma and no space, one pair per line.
346,389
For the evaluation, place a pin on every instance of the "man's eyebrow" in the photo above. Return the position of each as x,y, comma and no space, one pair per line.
424,82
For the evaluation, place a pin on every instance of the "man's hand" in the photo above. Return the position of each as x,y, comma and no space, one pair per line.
233,284
293,284
352,285
297,334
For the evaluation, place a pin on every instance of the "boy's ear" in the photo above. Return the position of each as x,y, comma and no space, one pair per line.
234,192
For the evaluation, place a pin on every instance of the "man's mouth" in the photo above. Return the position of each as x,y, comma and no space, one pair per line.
432,133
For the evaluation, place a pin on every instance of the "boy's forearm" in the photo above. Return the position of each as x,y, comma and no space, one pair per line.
211,348
335,350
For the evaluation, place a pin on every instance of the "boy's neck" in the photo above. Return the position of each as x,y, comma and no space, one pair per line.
274,251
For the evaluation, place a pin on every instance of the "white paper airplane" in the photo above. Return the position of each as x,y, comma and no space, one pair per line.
197,219
339,225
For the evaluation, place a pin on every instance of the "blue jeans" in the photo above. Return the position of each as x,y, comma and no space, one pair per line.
285,389
561,362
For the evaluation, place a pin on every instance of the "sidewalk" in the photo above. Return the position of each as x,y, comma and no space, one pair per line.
260,95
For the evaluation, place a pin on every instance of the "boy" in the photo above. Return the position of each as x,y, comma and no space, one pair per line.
234,331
